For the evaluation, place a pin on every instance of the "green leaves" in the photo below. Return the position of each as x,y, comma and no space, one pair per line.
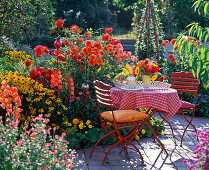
201,5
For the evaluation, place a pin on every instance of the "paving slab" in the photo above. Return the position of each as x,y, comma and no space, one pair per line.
154,157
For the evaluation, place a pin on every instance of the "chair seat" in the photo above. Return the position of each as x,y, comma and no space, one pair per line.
187,105
124,116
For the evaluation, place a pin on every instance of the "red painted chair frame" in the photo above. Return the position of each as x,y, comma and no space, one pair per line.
183,83
103,98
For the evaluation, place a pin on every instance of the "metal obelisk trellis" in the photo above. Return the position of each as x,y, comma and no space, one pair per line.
149,18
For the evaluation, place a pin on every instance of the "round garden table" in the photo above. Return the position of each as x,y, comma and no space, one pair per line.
166,101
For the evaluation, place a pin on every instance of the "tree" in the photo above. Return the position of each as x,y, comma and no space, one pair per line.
195,48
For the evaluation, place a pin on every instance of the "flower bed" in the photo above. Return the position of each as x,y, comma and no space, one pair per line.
61,87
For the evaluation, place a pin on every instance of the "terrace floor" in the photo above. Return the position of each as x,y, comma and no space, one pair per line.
154,157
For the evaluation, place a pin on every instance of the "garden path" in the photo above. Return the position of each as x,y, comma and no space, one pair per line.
153,155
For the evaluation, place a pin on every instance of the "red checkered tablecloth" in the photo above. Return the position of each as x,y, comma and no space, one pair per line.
165,100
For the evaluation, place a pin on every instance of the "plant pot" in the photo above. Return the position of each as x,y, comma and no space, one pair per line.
146,79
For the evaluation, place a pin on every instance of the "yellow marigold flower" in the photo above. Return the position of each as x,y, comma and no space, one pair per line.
137,137
80,126
6,52
58,100
48,102
88,122
51,108
59,112
154,77
143,131
90,126
41,110
99,69
64,107
75,121
69,124
108,76
86,132
47,115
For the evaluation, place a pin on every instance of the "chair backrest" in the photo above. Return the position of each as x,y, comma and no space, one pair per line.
184,82
102,92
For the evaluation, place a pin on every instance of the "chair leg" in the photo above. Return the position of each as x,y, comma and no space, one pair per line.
109,151
156,137
130,143
190,123
99,142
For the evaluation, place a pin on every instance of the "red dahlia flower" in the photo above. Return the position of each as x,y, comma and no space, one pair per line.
105,37
74,28
59,23
39,50
27,63
88,43
88,34
108,30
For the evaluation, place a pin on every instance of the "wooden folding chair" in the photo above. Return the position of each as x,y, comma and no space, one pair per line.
119,119
184,83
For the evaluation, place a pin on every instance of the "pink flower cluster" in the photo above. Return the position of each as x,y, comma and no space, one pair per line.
201,153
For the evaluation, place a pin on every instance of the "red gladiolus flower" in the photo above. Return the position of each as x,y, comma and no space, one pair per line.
170,56
58,44
108,30
99,61
27,63
105,37
190,38
173,41
39,50
88,34
55,52
61,57
88,43
59,23
66,42
163,44
74,28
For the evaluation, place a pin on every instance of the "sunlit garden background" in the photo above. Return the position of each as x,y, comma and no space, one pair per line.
51,51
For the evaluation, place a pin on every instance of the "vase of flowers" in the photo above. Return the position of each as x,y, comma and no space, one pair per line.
147,69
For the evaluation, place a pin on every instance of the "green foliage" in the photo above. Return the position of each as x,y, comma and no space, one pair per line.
196,52
86,13
23,20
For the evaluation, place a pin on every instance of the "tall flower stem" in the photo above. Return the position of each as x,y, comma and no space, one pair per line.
57,58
